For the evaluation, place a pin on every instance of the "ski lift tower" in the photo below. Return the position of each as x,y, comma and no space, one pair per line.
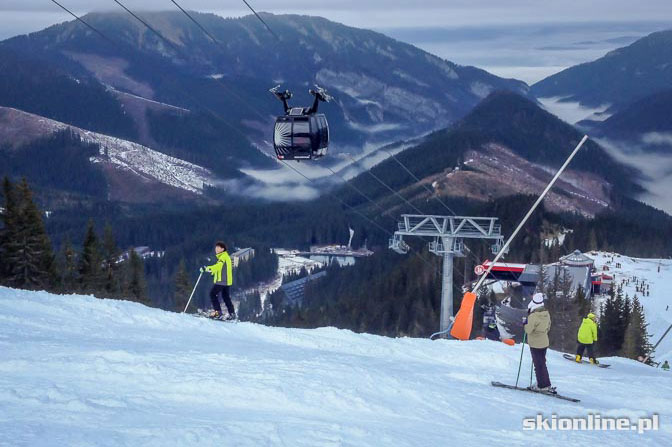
449,233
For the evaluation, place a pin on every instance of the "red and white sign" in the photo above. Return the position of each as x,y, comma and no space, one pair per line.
479,270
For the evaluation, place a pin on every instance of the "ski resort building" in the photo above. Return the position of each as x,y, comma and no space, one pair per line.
578,266
295,290
143,251
242,255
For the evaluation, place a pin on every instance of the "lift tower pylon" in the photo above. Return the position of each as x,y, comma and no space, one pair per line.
449,233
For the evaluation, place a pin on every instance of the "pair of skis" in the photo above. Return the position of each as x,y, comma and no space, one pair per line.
548,393
200,313
532,390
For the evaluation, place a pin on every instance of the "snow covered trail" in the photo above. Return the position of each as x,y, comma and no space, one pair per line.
657,275
76,370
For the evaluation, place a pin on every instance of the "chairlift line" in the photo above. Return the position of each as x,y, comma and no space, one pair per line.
79,19
207,33
262,20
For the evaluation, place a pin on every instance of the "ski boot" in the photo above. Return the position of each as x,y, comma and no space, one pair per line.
594,361
546,389
231,317
578,358
215,315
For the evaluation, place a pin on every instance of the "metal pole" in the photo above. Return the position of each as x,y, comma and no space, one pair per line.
654,348
192,292
529,213
447,289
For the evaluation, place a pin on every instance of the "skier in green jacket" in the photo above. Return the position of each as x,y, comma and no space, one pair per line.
666,366
587,337
222,275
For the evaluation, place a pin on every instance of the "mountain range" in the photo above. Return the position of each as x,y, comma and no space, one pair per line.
620,77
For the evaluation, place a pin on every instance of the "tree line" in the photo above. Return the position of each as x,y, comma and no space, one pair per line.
622,327
30,262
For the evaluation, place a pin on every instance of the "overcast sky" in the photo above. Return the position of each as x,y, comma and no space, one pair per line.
21,16
525,39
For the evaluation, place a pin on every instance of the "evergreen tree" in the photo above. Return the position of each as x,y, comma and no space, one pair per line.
91,274
563,309
136,286
28,251
612,328
183,286
110,264
250,307
8,232
582,304
69,273
636,341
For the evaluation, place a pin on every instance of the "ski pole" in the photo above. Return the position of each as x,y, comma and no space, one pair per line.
520,362
192,292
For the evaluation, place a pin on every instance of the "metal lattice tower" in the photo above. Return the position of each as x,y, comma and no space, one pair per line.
449,233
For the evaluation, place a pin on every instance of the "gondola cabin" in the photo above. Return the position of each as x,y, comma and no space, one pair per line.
301,137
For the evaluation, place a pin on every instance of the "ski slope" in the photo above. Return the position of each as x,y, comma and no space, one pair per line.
76,370
658,305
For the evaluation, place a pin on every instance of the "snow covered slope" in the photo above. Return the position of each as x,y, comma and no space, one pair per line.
657,275
81,371
141,161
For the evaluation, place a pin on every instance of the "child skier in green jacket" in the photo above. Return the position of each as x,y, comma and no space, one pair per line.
586,337
222,275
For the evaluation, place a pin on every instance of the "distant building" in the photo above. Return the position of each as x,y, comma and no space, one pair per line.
601,283
242,255
143,251
578,266
577,259
295,290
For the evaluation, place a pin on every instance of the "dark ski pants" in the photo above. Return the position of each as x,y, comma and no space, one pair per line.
582,347
539,360
492,334
214,297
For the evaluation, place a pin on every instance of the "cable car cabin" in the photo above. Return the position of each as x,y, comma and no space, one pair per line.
299,137
301,133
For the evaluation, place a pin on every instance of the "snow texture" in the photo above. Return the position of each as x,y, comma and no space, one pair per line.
77,370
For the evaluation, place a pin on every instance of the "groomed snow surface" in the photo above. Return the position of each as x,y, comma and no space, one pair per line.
79,371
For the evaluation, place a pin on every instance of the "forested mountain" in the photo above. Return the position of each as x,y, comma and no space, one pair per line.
647,122
384,89
507,145
620,77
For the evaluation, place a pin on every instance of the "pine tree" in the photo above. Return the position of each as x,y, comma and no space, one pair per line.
136,286
582,304
8,232
562,307
636,341
110,264
29,253
91,275
183,286
613,323
69,273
